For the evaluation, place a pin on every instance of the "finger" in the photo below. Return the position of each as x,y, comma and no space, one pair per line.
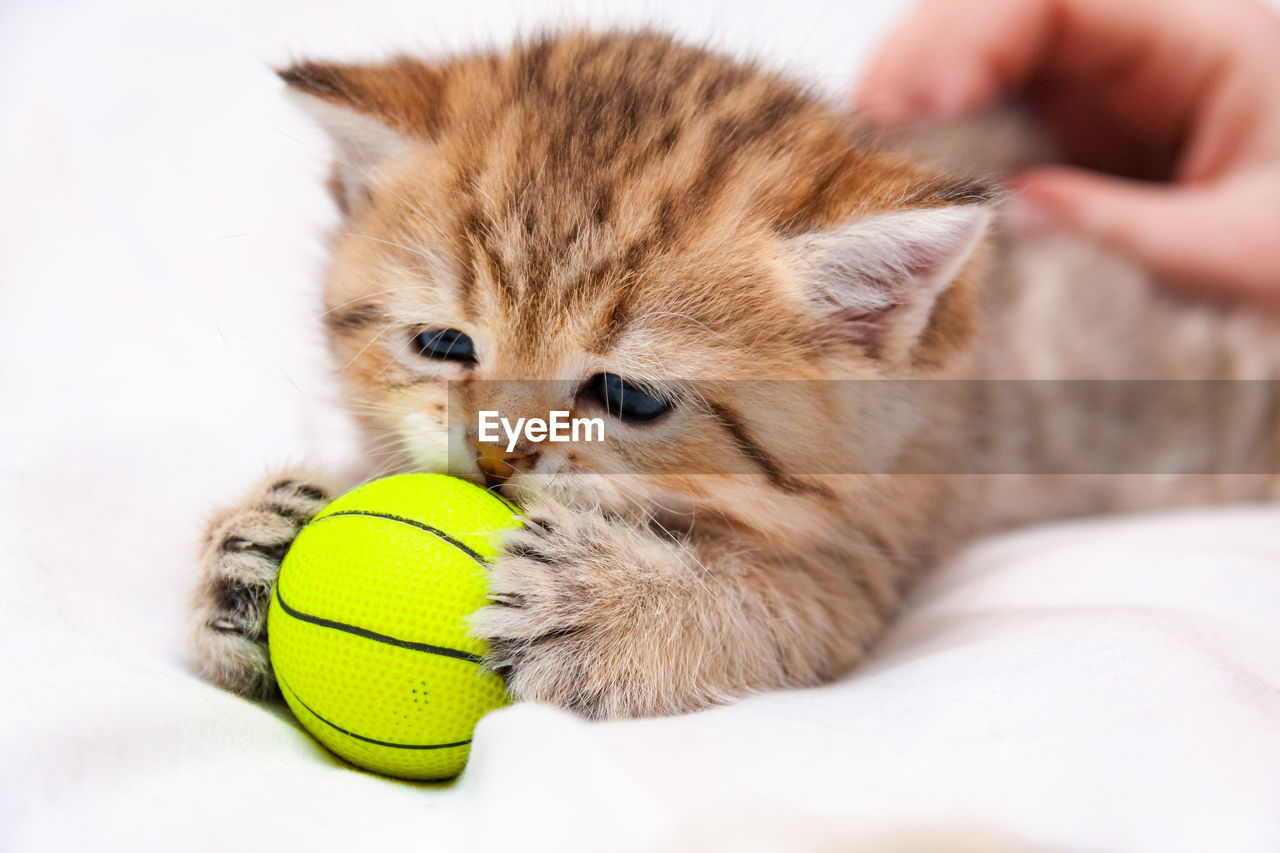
954,56
1218,239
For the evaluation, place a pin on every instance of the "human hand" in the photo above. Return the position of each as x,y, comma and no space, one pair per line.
1167,113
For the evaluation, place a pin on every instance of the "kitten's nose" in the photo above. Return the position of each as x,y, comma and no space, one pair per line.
498,464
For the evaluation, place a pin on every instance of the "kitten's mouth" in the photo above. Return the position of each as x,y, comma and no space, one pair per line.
498,469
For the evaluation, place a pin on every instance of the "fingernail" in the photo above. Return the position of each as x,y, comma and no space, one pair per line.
956,89
881,111
1024,216
947,101
917,106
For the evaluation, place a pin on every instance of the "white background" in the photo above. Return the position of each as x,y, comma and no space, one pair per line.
1106,686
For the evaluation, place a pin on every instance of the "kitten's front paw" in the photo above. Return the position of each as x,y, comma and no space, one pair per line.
583,616
240,558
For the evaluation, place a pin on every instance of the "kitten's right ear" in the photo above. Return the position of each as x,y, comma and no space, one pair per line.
881,281
371,112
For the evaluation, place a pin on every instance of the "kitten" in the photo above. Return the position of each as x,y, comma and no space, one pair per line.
623,211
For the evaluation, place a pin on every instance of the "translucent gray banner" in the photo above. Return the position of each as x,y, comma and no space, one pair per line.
797,427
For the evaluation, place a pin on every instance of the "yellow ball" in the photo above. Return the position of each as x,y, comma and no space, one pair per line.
367,623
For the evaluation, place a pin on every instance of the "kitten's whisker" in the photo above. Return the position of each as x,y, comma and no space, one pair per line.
620,482
384,443
362,350
682,317
366,296
680,543
410,249
391,463
394,358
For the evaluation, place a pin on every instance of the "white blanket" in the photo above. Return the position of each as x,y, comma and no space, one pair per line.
1102,686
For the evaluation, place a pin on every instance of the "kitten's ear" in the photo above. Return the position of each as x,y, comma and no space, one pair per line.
372,112
877,282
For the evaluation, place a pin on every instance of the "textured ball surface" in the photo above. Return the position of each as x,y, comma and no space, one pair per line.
367,630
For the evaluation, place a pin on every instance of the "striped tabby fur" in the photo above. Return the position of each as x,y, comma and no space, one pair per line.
625,203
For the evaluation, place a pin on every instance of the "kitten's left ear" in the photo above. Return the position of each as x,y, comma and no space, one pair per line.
371,112
877,282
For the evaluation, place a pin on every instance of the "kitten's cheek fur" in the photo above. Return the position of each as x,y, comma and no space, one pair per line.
427,440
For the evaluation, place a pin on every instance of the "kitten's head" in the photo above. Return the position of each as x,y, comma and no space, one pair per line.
623,213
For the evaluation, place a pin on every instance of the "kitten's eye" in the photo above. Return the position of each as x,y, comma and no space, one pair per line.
624,400
446,345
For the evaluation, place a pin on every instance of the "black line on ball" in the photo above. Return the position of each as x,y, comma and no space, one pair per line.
374,635
515,510
339,728
434,531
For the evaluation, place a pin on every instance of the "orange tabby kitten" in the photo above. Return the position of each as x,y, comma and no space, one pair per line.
624,214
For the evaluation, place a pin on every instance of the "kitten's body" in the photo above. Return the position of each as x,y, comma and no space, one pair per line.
624,205
1058,309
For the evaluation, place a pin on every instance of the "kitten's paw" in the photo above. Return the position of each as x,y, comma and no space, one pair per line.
579,616
239,560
